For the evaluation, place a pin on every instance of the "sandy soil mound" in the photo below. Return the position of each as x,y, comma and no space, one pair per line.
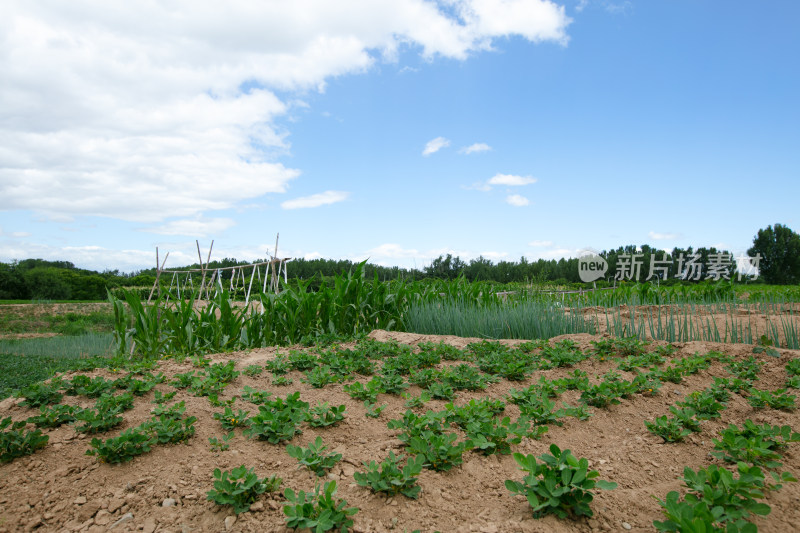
61,489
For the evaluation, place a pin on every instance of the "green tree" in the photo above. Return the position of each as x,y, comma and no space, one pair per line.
779,248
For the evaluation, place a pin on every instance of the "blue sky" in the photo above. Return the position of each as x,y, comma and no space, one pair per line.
348,129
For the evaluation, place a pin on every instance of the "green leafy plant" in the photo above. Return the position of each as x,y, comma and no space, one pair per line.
412,402
240,488
317,511
281,381
368,392
704,404
746,369
754,444
323,415
115,403
279,366
314,457
669,429
174,411
373,410
497,436
166,430
439,451
561,484
96,421
253,370
160,398
17,443
441,391
685,417
320,376
40,394
279,419
719,499
218,445
391,383
123,448
231,420
777,399
301,361
389,477
53,416
256,397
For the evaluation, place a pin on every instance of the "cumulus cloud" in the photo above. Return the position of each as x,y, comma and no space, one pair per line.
511,180
434,145
663,236
475,148
517,200
145,111
316,200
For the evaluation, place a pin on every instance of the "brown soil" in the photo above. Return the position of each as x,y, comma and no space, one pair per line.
61,489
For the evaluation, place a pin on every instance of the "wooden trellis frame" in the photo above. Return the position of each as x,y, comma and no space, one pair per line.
182,278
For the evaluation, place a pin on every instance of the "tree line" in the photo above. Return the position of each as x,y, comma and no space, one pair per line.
778,248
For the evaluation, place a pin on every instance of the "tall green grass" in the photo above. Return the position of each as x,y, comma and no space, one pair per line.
522,319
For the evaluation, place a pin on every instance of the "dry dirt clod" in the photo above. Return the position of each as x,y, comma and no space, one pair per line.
626,525
168,502
127,517
229,521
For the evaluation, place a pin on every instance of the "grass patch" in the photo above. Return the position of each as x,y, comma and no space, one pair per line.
27,361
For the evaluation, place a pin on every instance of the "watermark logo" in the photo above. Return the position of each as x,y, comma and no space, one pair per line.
591,266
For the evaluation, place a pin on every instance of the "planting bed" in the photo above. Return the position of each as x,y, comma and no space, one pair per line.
60,488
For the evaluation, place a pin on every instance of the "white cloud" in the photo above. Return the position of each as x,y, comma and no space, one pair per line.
316,200
517,200
544,244
511,180
475,148
390,250
196,227
663,236
144,111
434,145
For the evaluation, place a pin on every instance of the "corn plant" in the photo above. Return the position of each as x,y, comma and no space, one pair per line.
561,484
240,488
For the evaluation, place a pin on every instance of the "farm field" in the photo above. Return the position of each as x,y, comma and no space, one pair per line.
61,488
